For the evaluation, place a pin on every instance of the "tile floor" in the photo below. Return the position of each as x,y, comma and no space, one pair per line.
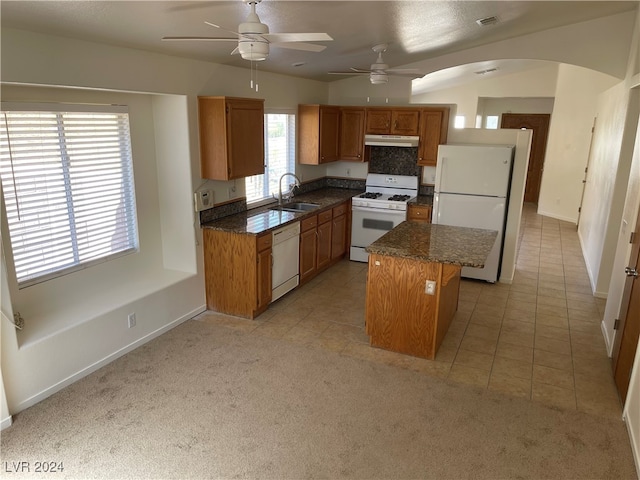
538,338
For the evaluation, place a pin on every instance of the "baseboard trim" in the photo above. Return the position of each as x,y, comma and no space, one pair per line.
6,422
635,444
557,217
38,397
607,341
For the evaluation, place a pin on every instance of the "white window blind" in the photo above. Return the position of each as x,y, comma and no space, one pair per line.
68,187
279,146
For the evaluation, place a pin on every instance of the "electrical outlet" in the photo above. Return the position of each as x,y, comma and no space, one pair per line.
131,319
232,192
430,287
348,172
204,200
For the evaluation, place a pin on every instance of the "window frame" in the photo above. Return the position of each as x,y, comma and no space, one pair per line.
291,149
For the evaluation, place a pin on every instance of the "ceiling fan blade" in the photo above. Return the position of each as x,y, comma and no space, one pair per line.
348,73
308,47
206,39
235,51
359,70
296,37
405,71
221,28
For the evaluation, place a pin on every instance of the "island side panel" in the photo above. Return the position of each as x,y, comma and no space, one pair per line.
448,295
400,316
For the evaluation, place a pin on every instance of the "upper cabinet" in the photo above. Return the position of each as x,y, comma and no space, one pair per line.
393,121
231,137
351,141
434,126
318,134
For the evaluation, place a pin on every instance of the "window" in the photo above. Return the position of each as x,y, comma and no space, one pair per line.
279,147
68,189
492,121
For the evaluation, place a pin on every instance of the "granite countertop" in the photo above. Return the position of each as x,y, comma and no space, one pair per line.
468,247
262,219
422,200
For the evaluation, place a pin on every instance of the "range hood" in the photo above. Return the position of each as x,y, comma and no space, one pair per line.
391,140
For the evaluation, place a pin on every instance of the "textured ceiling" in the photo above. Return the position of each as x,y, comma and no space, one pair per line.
414,30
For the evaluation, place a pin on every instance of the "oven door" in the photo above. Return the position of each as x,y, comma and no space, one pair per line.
368,225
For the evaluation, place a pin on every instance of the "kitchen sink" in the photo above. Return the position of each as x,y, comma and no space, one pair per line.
297,207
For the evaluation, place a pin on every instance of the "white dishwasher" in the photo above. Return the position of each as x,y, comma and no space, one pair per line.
286,260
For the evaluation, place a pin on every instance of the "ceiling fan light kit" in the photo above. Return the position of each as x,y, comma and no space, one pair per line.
254,39
379,71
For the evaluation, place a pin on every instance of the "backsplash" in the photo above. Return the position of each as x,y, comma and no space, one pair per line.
394,160
240,205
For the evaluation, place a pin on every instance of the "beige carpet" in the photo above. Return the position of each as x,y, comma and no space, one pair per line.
203,401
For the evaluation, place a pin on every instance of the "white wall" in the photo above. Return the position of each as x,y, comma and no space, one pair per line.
577,90
536,83
164,284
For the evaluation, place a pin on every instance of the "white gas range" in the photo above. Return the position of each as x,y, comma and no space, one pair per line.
382,207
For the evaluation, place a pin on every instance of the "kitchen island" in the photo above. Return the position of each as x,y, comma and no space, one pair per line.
414,281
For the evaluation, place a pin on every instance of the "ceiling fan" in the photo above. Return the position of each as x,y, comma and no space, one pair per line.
380,71
254,39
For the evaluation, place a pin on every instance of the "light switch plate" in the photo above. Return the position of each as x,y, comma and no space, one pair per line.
203,200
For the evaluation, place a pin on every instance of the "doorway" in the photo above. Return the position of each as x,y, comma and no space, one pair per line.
539,124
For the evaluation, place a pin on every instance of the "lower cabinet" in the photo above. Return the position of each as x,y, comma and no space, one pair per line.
339,231
308,248
324,239
237,270
419,213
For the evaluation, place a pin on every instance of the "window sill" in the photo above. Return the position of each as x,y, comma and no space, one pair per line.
44,321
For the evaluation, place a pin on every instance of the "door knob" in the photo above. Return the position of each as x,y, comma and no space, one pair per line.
631,272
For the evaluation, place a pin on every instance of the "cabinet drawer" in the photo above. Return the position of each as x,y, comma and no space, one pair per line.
340,210
264,241
308,223
419,213
325,216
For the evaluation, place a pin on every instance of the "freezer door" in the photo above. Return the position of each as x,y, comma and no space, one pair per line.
474,212
474,170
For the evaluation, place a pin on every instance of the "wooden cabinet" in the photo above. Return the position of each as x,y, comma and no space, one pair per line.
434,126
399,315
393,121
339,231
419,213
231,137
237,270
318,134
351,140
308,248
324,239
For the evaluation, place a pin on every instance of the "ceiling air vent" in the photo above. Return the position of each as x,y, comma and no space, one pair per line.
483,22
484,72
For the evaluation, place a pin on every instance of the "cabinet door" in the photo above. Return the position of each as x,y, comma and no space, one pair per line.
352,134
433,132
378,121
338,236
324,244
329,133
264,278
308,248
245,137
405,122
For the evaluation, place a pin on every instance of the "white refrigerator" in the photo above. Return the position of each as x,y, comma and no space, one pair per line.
472,190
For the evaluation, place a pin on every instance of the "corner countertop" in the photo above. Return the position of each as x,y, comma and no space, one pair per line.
262,219
467,247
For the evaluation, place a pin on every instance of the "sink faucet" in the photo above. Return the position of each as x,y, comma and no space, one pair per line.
291,188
